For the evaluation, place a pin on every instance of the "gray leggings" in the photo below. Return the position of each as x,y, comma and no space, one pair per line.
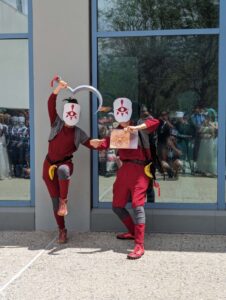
55,202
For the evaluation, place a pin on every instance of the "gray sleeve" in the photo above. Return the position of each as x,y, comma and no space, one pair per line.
80,137
83,136
56,127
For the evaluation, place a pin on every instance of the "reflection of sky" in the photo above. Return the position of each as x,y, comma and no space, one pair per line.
14,4
106,4
103,7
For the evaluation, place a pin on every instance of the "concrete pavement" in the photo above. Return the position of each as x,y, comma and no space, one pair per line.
94,266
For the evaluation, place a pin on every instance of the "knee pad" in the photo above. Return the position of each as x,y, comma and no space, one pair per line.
63,172
139,214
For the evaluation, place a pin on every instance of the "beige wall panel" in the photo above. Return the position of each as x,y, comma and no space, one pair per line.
61,46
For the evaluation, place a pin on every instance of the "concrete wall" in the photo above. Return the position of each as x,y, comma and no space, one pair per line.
17,218
166,221
61,46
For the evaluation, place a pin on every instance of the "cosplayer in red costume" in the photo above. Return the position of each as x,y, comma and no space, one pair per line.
131,180
64,140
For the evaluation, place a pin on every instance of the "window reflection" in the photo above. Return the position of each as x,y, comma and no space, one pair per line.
135,15
173,79
13,16
14,153
14,121
15,142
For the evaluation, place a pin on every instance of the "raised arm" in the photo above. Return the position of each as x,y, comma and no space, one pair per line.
52,101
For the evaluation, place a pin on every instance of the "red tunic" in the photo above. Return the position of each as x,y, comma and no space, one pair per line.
131,179
63,144
135,154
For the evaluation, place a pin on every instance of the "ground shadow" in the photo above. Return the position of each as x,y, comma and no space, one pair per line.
97,242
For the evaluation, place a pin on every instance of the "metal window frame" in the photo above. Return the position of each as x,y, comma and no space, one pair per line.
29,37
221,160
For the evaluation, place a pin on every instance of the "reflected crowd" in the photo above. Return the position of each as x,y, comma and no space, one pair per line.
184,143
14,144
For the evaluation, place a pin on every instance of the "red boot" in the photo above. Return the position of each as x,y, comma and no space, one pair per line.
62,236
139,242
128,222
125,236
62,211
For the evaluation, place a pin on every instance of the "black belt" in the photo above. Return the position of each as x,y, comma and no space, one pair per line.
66,158
135,161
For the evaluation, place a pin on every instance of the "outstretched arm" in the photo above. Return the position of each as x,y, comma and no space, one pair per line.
150,124
97,144
52,101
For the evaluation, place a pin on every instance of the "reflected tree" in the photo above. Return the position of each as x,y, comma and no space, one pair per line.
164,72
121,15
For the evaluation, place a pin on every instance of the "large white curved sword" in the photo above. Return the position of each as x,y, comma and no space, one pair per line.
79,88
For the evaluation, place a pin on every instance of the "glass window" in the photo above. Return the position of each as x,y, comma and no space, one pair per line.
174,79
132,15
13,16
14,121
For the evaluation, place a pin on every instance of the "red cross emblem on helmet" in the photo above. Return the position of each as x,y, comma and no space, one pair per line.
71,114
122,109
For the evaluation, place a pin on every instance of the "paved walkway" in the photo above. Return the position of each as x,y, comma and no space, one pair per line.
15,189
93,266
187,189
